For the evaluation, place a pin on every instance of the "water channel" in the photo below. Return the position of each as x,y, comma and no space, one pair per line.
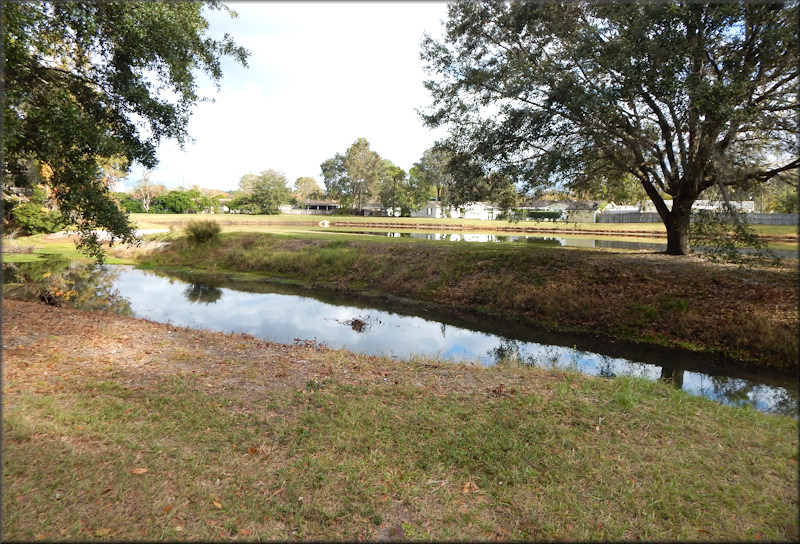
287,314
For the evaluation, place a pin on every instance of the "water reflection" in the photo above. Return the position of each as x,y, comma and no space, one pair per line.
202,293
61,282
553,241
287,314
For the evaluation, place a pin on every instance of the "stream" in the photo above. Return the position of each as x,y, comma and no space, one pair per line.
288,314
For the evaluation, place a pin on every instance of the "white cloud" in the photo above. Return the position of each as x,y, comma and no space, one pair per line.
320,76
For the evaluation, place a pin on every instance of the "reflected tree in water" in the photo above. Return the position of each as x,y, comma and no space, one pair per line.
604,369
202,293
741,392
673,376
509,353
59,282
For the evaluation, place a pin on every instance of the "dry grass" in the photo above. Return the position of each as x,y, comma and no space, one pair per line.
248,440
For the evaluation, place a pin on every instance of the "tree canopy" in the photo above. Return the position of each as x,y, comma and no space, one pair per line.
354,177
263,193
681,95
85,82
307,187
431,171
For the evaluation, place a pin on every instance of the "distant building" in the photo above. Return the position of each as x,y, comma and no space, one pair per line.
313,207
747,206
433,209
579,211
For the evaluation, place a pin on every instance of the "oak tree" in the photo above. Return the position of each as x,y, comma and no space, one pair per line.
683,96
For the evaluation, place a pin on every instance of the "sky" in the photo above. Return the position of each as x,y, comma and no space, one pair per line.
320,75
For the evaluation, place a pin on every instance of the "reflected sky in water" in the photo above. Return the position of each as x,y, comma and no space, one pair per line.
287,318
561,241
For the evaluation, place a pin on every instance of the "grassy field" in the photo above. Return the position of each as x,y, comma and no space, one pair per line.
123,429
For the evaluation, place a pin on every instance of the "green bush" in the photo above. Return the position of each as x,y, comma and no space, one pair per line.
200,231
538,215
33,218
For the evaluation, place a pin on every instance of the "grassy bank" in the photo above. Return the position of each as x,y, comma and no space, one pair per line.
124,429
749,314
279,223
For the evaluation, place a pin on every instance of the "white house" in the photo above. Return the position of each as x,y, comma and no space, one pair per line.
743,205
613,207
431,209
474,210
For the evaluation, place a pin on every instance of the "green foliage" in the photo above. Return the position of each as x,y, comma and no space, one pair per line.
353,178
601,181
782,196
129,204
787,201
538,215
430,174
91,84
34,216
201,231
262,194
726,236
307,188
172,202
181,201
398,193
677,95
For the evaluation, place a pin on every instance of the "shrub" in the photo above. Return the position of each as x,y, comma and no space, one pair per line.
33,218
538,215
200,231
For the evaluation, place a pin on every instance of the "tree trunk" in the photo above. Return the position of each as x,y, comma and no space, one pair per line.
677,224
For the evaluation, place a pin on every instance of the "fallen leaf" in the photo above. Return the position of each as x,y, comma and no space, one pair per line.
252,450
167,508
138,471
466,487
102,532
179,528
218,505
245,532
